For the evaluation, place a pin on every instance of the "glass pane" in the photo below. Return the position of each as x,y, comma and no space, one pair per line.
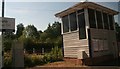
105,47
80,11
105,19
99,20
65,24
95,45
111,22
82,29
101,44
73,21
92,21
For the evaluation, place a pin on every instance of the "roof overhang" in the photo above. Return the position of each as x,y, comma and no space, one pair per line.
82,5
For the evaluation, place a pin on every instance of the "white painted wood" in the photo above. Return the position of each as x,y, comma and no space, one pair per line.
86,21
108,22
77,21
102,19
96,19
61,25
69,22
80,54
72,44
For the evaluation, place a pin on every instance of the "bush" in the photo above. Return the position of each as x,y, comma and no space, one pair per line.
33,59
7,60
29,45
7,45
54,55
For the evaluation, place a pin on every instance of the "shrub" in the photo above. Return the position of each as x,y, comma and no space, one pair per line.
54,55
7,60
33,59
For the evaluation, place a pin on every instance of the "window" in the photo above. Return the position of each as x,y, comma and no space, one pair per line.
95,45
73,21
111,22
80,11
82,29
99,44
105,47
105,19
99,20
65,24
92,21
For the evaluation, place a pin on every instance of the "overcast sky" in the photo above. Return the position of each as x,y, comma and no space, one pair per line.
41,13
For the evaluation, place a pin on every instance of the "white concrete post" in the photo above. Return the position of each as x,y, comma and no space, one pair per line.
17,54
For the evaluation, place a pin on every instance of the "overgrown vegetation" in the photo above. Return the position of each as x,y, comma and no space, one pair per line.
50,40
33,59
117,31
7,59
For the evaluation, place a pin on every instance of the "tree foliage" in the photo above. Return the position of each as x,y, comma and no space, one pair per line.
20,28
31,32
7,37
117,31
52,33
32,38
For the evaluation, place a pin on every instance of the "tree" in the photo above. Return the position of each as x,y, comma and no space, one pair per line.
43,37
49,31
7,37
20,28
40,34
31,32
54,30
117,31
56,27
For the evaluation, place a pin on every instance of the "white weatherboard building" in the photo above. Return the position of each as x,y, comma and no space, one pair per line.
88,31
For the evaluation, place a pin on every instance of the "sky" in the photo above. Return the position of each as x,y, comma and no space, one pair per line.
40,13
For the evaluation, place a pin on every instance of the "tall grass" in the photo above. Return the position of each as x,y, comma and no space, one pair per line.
7,59
31,60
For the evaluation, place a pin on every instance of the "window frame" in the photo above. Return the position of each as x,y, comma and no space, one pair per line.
99,19
82,28
65,31
73,23
92,21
